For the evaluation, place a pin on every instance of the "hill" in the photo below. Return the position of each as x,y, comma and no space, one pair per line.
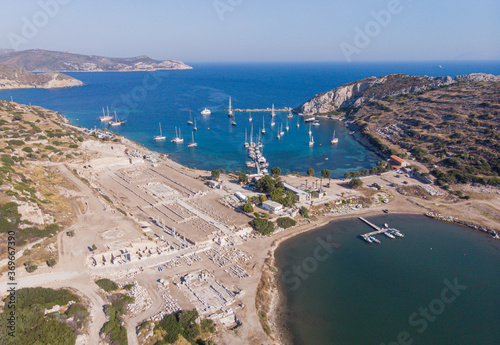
356,93
37,60
17,78
450,125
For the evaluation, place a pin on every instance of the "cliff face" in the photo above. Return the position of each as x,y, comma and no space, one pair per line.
359,92
38,60
16,78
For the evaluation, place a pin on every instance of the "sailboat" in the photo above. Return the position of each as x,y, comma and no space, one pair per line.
298,124
273,113
263,127
117,121
311,140
310,129
278,135
246,139
190,121
104,117
160,137
252,144
178,137
230,110
282,133
287,128
290,115
195,128
193,143
272,122
334,139
250,117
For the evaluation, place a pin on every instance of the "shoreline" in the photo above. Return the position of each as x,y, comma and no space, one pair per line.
277,311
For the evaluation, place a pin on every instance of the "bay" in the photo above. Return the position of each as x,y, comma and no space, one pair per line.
144,99
360,293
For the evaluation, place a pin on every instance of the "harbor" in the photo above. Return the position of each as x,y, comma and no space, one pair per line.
388,232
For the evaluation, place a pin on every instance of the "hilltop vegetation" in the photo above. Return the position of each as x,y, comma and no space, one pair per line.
32,326
453,130
31,202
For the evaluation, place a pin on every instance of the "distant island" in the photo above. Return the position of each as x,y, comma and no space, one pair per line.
38,60
18,78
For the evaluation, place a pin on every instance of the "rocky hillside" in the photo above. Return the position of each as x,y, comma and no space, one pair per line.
38,60
375,88
17,78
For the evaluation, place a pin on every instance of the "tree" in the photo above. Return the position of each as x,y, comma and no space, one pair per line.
304,212
277,194
355,183
326,173
263,226
248,208
263,198
215,174
51,262
310,172
276,171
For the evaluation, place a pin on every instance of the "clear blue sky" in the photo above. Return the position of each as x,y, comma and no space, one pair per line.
258,30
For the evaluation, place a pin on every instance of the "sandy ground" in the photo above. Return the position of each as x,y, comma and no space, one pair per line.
199,217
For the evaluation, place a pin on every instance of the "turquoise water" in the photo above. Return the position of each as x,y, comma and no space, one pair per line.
144,99
372,294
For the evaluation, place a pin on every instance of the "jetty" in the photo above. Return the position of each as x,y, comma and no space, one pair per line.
284,110
379,230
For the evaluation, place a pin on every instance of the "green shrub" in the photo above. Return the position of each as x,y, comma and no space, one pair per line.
107,284
304,212
263,226
248,208
285,222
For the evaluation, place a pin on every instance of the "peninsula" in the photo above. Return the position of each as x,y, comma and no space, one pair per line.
38,60
17,78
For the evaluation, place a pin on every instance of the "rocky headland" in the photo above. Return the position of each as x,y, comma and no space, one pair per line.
375,88
17,78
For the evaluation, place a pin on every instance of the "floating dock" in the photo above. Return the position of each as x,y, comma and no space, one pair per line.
378,230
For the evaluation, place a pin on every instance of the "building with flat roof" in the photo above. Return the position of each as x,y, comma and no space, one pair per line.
301,195
272,206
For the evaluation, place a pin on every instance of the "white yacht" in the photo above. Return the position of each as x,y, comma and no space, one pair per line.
335,140
104,117
193,143
206,112
160,137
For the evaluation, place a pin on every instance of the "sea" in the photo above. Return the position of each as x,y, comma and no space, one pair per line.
436,286
172,98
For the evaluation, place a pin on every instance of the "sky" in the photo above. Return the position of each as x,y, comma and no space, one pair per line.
258,30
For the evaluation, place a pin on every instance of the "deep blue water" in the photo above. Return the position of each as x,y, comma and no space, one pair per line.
146,98
373,294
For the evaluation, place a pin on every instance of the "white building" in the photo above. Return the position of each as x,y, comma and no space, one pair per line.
301,195
272,206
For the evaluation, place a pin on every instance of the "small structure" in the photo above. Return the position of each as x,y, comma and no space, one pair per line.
241,197
301,195
213,184
397,162
272,206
